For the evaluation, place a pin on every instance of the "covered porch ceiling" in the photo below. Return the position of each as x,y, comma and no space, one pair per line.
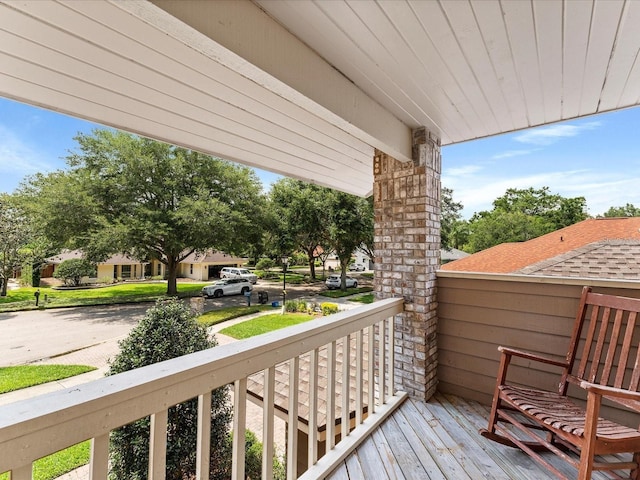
309,89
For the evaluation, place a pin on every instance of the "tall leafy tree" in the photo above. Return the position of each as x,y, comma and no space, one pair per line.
14,234
452,226
124,193
301,210
629,210
350,223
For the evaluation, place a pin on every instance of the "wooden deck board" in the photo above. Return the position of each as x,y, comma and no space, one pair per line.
440,440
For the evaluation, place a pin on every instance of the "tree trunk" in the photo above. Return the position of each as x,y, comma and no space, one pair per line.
3,287
172,275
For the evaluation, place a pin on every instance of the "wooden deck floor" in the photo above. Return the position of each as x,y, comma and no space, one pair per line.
440,440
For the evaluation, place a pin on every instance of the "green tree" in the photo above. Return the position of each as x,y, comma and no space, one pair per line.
520,215
169,330
71,271
629,210
301,210
14,234
452,226
147,199
350,222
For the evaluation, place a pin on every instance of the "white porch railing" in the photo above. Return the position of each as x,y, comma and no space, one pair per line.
43,425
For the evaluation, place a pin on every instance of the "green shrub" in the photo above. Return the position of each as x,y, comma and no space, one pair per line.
168,330
265,264
328,308
71,271
253,455
295,306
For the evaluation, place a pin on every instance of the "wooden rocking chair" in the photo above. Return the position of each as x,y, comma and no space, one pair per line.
609,367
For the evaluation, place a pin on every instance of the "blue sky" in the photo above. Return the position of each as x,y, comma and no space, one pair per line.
596,157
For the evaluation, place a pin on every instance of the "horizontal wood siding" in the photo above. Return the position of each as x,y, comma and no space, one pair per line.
478,313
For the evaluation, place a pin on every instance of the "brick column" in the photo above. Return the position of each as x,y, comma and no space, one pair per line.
407,246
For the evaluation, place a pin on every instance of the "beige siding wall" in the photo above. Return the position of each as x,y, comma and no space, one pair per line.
479,312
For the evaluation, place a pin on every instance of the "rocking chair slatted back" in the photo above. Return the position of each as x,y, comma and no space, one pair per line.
610,355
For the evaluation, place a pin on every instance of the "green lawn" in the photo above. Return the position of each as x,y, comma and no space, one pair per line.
368,298
23,376
264,324
59,463
22,298
349,291
222,314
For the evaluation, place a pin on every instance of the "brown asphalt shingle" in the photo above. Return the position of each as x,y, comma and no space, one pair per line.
514,257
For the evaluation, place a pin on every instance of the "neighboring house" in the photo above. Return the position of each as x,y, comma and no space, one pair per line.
593,248
197,266
447,256
204,266
116,266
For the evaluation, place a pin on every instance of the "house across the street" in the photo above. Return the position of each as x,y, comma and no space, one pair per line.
196,266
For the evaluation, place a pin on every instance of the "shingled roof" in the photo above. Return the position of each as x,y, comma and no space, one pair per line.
601,247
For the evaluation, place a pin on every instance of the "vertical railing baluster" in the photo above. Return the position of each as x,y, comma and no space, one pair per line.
346,385
292,434
382,371
267,422
371,372
99,466
313,408
203,444
331,396
239,428
392,354
359,377
158,446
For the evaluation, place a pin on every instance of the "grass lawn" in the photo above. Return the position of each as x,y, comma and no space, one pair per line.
264,324
368,298
349,291
23,299
59,463
23,376
222,314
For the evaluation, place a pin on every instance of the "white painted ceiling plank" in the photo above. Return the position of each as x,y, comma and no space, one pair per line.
237,89
626,55
520,28
548,21
433,21
417,51
462,20
606,20
166,105
192,135
577,20
490,19
335,99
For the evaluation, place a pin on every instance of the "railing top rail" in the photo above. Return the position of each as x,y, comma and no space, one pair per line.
97,407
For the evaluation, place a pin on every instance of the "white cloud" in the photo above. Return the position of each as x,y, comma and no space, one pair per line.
462,171
554,133
513,153
601,190
17,157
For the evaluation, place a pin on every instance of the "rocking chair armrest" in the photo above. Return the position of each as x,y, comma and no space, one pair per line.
611,392
531,356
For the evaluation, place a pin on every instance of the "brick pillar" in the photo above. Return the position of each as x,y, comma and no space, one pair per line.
407,246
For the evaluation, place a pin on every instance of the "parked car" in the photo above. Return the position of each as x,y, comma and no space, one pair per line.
333,281
235,272
357,267
227,286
